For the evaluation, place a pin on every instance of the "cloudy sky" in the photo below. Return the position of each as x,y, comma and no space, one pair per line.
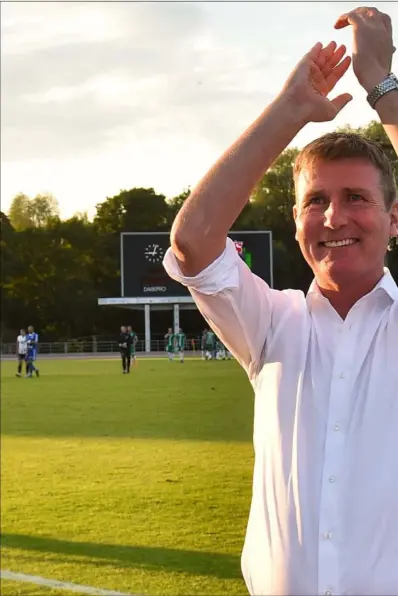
100,96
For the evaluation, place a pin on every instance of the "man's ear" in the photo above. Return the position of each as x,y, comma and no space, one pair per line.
394,220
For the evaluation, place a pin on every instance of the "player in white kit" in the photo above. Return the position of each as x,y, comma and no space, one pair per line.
22,348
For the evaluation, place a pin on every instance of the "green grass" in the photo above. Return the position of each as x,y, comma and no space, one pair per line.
136,483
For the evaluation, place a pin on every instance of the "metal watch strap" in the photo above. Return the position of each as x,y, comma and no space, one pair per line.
389,84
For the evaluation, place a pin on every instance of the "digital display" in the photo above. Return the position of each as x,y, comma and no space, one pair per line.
143,275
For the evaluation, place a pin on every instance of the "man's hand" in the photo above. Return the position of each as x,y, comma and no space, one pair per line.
314,78
373,45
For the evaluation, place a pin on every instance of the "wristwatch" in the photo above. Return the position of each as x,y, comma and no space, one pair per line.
389,84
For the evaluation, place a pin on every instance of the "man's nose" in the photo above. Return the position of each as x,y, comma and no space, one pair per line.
335,216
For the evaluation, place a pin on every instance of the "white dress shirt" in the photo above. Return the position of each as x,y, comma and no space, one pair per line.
324,512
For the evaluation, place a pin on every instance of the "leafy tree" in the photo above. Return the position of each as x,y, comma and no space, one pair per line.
25,212
19,214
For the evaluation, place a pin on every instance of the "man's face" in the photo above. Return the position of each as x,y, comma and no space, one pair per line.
342,224
30,329
23,332
123,329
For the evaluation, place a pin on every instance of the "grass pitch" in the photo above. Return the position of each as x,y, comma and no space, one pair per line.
139,483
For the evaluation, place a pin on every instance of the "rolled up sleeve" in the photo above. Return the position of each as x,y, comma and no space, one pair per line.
236,304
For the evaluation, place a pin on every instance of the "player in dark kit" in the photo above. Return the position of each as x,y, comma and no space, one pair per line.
125,343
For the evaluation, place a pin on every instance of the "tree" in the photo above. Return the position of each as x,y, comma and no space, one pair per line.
177,202
135,210
30,213
19,214
42,209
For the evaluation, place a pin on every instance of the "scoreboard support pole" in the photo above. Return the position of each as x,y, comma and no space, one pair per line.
147,327
151,304
176,309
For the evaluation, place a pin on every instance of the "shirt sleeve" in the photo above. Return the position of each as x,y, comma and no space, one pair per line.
239,306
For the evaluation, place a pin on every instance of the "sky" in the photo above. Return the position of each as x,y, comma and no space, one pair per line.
103,96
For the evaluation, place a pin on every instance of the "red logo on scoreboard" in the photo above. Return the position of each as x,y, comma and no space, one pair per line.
239,246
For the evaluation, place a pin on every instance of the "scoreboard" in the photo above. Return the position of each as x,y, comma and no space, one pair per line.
143,275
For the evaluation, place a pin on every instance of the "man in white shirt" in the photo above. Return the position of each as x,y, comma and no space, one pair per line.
22,347
324,367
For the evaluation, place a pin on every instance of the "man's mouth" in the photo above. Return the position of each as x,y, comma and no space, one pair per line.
339,243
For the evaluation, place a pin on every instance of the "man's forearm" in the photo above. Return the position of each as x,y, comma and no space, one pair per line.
207,215
387,109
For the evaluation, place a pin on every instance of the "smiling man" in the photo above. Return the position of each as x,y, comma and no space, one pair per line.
345,214
324,367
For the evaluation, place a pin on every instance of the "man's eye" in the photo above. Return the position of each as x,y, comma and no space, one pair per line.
354,197
316,200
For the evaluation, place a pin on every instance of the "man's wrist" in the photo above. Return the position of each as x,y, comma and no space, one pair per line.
298,113
374,78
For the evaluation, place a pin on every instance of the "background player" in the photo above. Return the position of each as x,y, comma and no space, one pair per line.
125,342
32,340
170,343
180,344
203,343
21,351
210,345
134,340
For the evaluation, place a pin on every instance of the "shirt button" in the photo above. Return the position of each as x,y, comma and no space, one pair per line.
328,593
332,479
328,535
337,427
341,375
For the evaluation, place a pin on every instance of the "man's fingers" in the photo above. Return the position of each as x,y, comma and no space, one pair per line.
338,72
334,60
326,54
315,51
341,101
341,22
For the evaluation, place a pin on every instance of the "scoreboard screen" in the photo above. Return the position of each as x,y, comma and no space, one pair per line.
143,275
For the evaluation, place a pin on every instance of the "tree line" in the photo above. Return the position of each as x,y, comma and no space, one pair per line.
54,270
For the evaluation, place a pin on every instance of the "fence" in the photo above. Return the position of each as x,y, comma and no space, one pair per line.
95,347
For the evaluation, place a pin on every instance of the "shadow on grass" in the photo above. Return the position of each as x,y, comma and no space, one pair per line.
222,566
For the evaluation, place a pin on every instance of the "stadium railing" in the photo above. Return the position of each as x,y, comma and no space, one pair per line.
95,347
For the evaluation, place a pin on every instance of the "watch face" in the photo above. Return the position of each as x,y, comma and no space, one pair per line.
154,253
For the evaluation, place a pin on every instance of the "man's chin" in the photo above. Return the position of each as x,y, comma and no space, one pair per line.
338,273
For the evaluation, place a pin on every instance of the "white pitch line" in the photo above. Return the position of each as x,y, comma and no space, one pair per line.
53,583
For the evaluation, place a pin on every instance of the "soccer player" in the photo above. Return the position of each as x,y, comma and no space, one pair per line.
180,342
203,344
32,340
170,345
221,355
134,340
21,351
125,342
210,345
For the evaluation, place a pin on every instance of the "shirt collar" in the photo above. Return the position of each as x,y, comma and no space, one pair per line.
386,283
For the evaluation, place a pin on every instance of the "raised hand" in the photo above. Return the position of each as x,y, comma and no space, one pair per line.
372,45
314,78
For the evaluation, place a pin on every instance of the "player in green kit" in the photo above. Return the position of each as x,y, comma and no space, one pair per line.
170,344
180,344
210,345
134,340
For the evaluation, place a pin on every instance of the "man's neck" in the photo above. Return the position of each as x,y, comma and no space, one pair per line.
343,296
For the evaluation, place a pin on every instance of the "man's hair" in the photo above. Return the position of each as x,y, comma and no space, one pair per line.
348,145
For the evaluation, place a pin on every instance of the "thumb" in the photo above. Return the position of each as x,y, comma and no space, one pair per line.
341,101
348,18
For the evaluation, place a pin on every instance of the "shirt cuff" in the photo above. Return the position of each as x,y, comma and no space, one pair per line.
220,275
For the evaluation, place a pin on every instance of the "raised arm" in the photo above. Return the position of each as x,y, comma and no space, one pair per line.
372,59
200,229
